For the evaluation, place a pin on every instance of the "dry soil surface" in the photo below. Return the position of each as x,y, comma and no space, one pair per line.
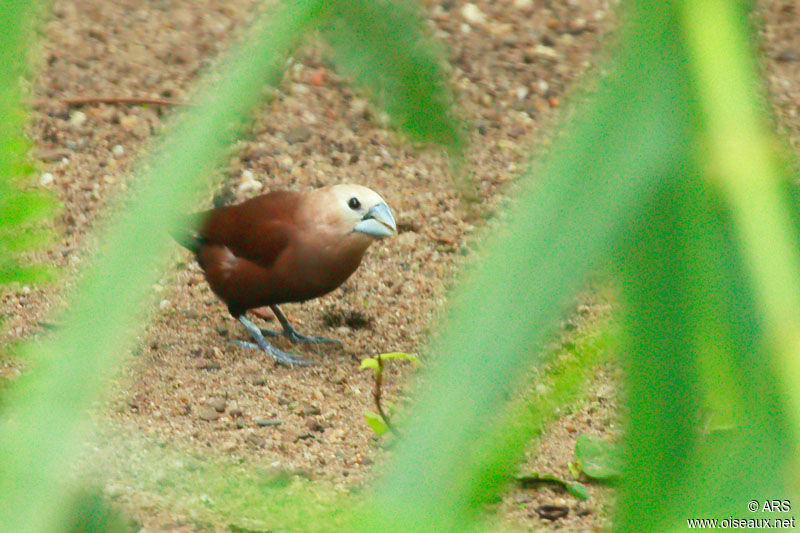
186,386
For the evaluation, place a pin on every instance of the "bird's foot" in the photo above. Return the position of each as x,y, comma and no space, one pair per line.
246,345
279,355
294,336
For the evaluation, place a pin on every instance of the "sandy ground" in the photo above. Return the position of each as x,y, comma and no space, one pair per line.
186,385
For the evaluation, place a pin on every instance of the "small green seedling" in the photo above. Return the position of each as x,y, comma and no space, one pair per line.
379,422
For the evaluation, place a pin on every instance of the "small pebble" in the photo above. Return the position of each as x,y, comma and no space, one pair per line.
315,425
358,106
135,125
473,14
209,414
545,51
256,441
118,150
248,183
577,25
298,134
317,78
51,155
236,412
542,87
267,422
77,118
46,179
552,512
219,404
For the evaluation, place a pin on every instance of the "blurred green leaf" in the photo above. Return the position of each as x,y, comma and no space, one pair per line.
91,512
22,209
16,206
376,422
597,457
66,372
621,151
696,330
578,490
383,45
12,271
738,149
690,310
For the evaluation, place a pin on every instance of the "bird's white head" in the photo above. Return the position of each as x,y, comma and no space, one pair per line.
361,210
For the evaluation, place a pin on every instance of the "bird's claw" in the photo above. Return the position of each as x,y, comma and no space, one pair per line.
296,337
279,356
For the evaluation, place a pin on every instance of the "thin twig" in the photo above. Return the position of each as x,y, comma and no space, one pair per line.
124,100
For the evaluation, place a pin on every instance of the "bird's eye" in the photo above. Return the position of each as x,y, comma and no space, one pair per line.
353,203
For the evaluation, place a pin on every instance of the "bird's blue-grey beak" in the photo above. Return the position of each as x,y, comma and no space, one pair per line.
377,222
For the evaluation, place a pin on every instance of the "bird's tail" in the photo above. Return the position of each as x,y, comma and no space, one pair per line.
187,234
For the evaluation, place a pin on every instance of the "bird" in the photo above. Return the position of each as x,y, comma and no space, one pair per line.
284,246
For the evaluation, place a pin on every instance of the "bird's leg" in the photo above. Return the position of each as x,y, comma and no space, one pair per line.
291,333
278,355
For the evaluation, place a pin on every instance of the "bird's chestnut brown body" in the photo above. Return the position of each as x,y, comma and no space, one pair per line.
280,247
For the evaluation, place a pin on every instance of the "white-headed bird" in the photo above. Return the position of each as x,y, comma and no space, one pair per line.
285,246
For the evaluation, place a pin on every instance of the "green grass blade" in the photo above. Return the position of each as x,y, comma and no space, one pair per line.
383,46
21,211
704,326
13,272
45,412
15,36
696,343
619,155
68,371
742,159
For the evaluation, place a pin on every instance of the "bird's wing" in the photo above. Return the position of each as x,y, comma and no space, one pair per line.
259,230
